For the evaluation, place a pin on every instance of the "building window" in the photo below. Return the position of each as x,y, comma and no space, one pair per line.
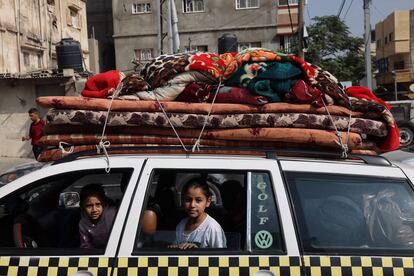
26,59
287,2
386,40
285,43
197,48
378,43
143,54
398,65
138,8
246,45
39,61
193,6
247,4
74,18
382,65
391,37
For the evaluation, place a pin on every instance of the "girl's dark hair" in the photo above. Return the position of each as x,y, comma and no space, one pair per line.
95,190
197,183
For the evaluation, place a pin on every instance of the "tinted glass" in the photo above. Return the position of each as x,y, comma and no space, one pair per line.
352,214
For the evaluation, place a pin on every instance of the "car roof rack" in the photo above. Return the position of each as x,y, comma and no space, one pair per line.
270,153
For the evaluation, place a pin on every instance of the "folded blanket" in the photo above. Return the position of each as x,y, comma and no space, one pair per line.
198,92
269,79
68,102
303,93
368,102
174,87
98,86
216,121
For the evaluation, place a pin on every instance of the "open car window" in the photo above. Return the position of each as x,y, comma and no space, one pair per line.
242,215
44,217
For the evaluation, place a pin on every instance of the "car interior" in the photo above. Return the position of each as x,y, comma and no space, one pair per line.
37,217
46,214
164,196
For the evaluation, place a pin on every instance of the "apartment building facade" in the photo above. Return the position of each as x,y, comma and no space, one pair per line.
395,50
41,24
200,24
29,32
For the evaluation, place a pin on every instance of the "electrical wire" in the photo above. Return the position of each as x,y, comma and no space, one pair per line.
307,11
378,10
290,17
346,13
341,8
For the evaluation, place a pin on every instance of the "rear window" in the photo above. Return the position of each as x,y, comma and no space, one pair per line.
353,214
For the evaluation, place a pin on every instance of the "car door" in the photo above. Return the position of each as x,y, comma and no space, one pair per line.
40,213
353,219
248,202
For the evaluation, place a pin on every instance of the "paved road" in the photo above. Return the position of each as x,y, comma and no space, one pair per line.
9,162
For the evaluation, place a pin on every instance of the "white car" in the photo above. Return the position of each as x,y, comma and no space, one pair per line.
280,215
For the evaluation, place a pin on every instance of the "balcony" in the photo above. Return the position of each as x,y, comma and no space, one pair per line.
403,76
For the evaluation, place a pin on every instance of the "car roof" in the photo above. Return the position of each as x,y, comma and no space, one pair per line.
309,157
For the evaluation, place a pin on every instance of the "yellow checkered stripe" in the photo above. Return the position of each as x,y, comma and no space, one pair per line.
206,265
141,266
54,266
358,266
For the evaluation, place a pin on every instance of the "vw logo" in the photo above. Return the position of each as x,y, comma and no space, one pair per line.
263,239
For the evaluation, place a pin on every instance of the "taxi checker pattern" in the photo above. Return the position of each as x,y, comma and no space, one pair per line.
364,266
243,265
141,266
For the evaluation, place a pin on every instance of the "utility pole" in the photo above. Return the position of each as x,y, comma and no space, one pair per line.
170,28
159,27
189,44
367,37
301,24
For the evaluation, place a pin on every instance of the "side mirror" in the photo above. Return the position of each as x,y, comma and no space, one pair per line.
69,200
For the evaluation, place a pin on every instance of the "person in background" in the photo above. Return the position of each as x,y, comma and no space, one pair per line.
35,131
96,218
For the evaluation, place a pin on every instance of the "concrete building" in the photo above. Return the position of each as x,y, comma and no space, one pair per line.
287,24
200,24
395,50
41,24
29,32
100,28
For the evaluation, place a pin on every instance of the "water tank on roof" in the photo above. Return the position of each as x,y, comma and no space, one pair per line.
69,55
227,43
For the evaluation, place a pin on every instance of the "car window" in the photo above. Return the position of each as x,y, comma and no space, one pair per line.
353,214
48,215
169,220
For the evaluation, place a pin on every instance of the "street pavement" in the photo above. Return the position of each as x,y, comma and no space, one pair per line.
9,162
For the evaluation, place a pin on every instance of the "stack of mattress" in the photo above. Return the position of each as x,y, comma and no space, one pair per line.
267,117
79,121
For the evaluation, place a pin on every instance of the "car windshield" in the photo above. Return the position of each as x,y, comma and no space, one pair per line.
19,171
